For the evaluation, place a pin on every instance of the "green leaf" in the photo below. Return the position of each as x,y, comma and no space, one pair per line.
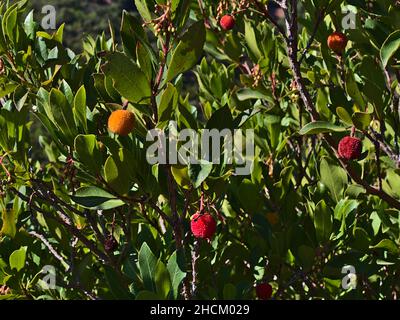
10,24
133,35
176,273
168,103
115,175
88,151
62,114
188,51
162,280
143,9
7,88
17,258
323,222
181,176
344,116
387,244
361,120
361,240
199,172
128,79
390,47
353,91
334,177
20,96
58,35
9,226
391,184
79,109
96,198
252,43
320,127
344,207
117,287
147,267
247,94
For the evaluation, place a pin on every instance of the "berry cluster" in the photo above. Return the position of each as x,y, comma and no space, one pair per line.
257,75
163,23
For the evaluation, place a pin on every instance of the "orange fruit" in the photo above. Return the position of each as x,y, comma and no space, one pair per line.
337,42
121,122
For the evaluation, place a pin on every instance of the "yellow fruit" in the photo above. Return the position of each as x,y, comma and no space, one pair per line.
273,218
121,122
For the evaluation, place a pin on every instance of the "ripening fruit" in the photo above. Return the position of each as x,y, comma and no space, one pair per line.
203,226
227,22
110,243
350,148
337,42
121,122
264,291
273,218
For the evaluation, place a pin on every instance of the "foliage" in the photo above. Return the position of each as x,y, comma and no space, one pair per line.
294,222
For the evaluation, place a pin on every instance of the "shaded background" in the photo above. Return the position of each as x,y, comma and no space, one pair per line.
83,17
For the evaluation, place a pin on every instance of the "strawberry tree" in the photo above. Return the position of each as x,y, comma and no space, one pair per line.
79,194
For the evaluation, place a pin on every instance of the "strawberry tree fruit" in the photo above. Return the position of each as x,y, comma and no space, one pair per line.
350,148
121,122
337,42
203,226
227,22
264,291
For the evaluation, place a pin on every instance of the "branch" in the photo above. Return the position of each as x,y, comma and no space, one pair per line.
206,22
51,248
160,212
377,138
292,44
165,49
63,220
195,257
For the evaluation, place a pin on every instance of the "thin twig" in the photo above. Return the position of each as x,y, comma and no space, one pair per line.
51,248
195,257
321,16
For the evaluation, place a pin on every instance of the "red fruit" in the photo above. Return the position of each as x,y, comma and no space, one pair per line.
350,148
337,42
227,22
264,291
203,225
